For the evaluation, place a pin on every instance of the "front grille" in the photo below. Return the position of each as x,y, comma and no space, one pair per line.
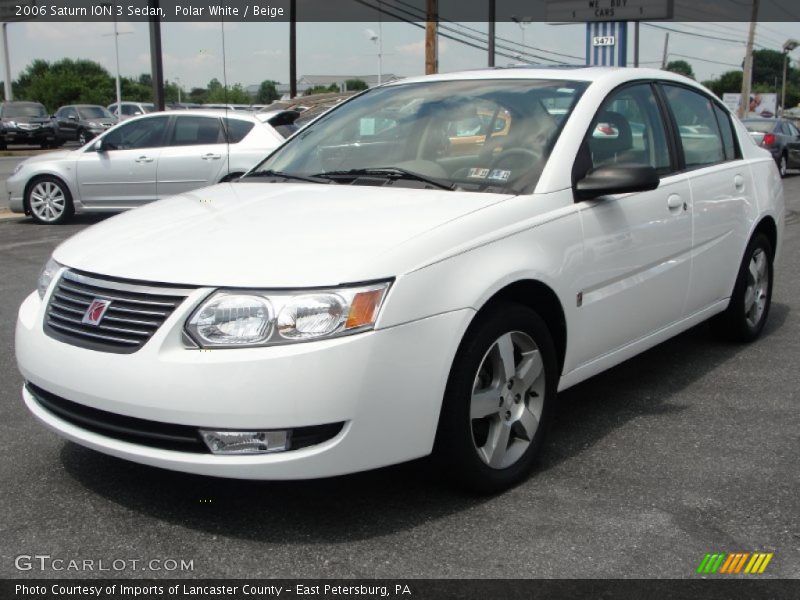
134,314
166,436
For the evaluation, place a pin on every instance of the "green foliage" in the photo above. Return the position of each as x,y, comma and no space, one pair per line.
767,78
218,94
267,92
65,81
321,89
355,85
680,66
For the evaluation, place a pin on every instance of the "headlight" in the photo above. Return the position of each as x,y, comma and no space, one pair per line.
93,124
235,319
46,276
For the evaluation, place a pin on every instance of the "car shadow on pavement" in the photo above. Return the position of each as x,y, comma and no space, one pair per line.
642,386
380,502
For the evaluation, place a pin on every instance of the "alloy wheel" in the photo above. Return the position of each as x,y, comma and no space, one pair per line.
507,399
82,139
783,166
755,296
47,201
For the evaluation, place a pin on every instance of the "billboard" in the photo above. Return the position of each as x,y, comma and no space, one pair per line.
761,105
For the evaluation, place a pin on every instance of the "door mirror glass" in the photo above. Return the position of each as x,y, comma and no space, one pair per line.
616,179
72,118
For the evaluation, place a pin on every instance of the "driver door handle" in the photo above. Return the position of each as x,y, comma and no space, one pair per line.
211,156
144,159
675,202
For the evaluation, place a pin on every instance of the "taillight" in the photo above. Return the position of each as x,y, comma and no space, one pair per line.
769,139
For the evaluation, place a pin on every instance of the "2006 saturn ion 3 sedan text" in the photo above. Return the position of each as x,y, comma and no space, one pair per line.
420,270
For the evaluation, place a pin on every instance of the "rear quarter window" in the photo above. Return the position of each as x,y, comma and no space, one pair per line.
237,129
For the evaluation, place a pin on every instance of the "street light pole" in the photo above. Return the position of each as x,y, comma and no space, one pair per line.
116,53
523,22
787,48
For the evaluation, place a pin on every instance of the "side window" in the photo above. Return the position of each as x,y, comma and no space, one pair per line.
237,129
697,126
71,112
145,133
129,110
61,113
628,129
728,133
194,131
793,130
113,109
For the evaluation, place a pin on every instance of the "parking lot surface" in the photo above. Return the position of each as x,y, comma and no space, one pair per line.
687,449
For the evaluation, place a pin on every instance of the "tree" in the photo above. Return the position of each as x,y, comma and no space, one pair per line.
680,66
267,92
355,85
63,82
728,82
219,94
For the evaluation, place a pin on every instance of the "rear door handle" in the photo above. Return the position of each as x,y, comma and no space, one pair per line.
738,183
144,159
211,156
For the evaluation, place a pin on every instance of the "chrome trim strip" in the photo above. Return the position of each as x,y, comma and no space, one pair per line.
127,287
94,335
61,286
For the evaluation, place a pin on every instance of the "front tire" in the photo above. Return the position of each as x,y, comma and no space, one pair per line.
498,401
747,312
49,201
83,139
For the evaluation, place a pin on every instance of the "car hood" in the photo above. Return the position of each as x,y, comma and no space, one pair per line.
50,156
37,120
267,234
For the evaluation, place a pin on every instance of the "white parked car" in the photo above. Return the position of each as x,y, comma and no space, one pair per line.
126,110
140,160
368,295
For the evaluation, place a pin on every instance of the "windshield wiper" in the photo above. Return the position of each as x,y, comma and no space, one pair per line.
389,173
283,175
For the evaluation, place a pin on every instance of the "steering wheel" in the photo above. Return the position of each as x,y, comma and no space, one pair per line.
525,157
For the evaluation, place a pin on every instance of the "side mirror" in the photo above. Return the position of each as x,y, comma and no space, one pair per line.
99,146
137,113
72,118
616,179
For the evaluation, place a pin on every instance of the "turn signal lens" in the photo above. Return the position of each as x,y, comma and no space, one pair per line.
364,308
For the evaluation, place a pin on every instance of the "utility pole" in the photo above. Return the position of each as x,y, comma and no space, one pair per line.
747,76
156,62
431,37
293,49
787,48
666,52
636,44
492,11
116,55
7,66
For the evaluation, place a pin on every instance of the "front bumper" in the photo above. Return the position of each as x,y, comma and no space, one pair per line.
385,385
28,136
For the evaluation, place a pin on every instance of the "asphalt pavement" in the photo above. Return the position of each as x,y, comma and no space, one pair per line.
687,449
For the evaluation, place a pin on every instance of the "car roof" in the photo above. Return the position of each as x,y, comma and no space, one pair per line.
558,73
200,113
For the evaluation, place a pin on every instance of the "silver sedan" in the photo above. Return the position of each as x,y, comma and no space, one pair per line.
141,160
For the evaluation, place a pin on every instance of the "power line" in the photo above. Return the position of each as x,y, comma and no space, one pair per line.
708,60
691,33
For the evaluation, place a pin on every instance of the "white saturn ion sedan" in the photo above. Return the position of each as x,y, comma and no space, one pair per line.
418,271
143,159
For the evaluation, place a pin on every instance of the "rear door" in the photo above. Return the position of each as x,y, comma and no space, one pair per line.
123,173
195,155
67,123
722,192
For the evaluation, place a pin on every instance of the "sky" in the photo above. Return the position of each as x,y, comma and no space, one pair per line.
193,52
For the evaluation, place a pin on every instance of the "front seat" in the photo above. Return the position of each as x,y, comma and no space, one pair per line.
609,149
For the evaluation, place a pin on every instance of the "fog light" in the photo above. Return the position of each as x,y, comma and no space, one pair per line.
245,442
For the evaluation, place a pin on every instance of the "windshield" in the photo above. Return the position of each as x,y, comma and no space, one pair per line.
760,126
94,112
24,110
148,107
487,135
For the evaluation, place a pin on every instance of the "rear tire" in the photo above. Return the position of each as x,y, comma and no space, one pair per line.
83,139
498,401
750,302
783,165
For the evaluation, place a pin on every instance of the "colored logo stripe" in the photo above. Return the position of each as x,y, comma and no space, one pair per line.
734,562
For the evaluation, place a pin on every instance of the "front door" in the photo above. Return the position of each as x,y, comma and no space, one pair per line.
637,247
119,170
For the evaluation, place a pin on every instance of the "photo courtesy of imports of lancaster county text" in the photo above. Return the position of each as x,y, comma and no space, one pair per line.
399,299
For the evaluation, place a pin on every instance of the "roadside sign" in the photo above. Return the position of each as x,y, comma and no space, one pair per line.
608,10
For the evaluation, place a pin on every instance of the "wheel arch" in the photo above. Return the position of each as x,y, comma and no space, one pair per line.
769,228
38,177
540,297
